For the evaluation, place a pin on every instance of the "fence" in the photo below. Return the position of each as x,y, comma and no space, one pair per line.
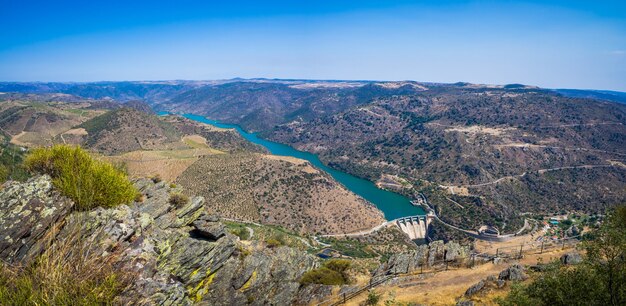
512,252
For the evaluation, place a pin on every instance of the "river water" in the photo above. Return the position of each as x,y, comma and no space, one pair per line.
393,205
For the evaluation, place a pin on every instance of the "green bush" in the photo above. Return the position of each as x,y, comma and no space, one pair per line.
242,233
89,182
333,272
339,265
273,242
322,276
372,298
4,174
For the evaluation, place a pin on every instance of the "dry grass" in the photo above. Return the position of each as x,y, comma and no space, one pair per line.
443,288
67,273
168,164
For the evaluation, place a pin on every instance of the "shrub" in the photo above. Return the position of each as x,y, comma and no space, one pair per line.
4,173
87,181
339,265
333,272
273,242
139,197
372,298
322,276
156,179
178,199
242,233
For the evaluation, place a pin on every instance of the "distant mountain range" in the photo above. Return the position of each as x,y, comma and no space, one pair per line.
160,91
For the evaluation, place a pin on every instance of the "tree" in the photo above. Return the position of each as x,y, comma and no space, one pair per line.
599,280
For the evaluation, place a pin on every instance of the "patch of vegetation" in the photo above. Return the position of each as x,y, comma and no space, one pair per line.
11,158
333,272
599,280
373,298
89,182
156,179
241,232
63,275
178,199
267,232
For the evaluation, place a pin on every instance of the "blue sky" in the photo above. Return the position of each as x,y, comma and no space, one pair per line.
565,44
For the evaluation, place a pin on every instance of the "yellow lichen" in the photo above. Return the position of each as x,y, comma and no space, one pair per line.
249,282
202,288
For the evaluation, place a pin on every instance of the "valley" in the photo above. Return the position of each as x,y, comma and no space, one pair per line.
227,203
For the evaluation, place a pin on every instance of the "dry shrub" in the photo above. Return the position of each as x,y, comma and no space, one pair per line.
178,199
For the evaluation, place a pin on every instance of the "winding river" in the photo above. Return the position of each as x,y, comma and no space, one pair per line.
393,205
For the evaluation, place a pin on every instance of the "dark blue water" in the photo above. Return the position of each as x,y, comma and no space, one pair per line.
393,205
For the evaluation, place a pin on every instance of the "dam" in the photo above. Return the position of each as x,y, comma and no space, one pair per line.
416,227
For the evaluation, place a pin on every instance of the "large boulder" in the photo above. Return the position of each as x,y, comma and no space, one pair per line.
513,273
475,288
571,258
208,227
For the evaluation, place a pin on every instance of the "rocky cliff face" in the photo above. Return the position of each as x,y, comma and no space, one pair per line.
179,255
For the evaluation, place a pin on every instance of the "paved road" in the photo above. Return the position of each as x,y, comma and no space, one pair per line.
540,171
361,233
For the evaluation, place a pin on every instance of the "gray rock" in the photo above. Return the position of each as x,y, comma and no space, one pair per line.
464,303
513,273
537,268
27,211
427,255
180,256
500,283
475,288
571,258
209,229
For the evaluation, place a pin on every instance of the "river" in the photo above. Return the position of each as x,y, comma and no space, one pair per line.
393,205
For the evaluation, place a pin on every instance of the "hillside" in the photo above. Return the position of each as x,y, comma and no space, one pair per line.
481,153
127,129
499,150
277,190
35,120
259,106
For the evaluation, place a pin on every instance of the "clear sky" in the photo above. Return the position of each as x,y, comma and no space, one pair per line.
564,44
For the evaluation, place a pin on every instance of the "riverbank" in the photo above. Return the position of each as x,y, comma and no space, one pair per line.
392,205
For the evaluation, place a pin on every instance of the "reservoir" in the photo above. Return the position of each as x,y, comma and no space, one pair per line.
393,205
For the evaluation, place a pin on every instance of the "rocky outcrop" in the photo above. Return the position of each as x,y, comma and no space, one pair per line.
475,288
27,213
435,253
513,273
178,255
571,258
